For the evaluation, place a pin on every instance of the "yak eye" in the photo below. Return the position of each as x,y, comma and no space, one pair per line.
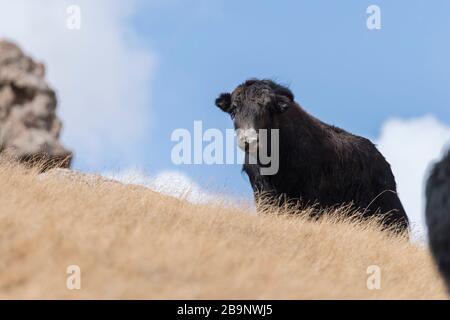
233,110
233,113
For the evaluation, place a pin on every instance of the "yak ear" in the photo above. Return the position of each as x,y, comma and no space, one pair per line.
284,98
224,102
282,103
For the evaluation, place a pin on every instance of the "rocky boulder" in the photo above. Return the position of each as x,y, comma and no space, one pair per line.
29,127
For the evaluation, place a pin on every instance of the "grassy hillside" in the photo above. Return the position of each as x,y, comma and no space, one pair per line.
133,243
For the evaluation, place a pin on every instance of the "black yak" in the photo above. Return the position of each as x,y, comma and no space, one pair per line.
438,216
318,163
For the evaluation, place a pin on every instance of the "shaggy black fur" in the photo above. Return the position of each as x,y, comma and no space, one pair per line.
438,216
319,163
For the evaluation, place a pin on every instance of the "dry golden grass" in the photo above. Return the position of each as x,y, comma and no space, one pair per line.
133,243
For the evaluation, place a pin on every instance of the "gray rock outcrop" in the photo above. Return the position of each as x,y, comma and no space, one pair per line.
29,127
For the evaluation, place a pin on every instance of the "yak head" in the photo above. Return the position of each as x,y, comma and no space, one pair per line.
253,106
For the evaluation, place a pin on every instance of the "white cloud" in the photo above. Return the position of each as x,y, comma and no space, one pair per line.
411,147
171,183
101,72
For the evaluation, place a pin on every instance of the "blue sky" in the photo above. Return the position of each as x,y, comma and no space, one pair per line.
137,70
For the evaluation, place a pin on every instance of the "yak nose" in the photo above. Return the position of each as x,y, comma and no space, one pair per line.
247,138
